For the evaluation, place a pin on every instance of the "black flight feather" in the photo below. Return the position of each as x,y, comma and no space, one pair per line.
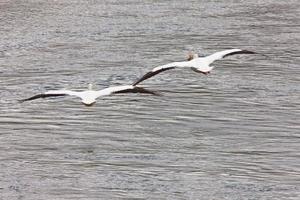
239,52
150,74
138,90
41,96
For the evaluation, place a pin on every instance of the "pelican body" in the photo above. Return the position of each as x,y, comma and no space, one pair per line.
196,63
89,96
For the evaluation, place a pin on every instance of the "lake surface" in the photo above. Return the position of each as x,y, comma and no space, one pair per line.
233,134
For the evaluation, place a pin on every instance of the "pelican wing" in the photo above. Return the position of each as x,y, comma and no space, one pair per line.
160,69
135,89
51,93
124,89
225,53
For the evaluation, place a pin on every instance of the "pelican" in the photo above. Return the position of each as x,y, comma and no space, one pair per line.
88,97
196,63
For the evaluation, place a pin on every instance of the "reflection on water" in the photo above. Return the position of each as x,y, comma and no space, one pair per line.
230,135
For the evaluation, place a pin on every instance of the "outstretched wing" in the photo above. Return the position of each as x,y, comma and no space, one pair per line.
50,94
160,69
137,90
151,73
124,89
223,54
41,96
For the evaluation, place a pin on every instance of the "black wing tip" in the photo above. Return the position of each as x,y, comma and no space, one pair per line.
31,98
136,89
146,76
240,52
146,91
252,52
21,100
247,52
40,96
137,82
151,74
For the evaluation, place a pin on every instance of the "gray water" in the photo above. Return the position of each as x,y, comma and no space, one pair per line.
233,134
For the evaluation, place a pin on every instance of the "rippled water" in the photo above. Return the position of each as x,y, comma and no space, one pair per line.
231,135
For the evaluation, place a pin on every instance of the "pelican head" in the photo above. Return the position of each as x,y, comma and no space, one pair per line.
191,56
90,86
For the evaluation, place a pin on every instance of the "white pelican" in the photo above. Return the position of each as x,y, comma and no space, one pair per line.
196,63
89,96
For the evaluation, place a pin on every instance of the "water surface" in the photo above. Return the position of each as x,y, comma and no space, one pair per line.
231,135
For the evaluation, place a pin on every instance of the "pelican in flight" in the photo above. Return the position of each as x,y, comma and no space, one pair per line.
196,63
88,97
